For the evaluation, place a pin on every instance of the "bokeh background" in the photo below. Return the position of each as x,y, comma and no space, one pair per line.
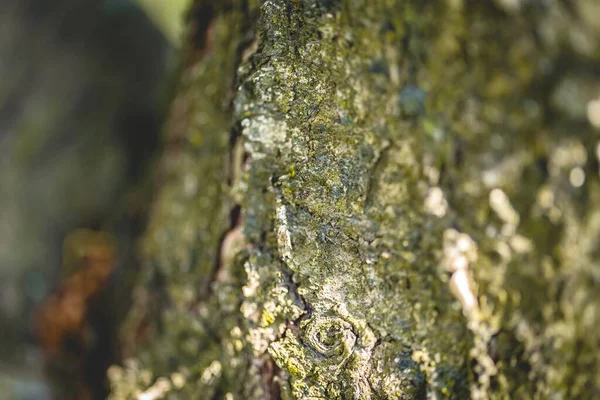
84,87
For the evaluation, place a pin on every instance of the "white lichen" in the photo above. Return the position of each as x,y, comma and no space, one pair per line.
460,251
435,203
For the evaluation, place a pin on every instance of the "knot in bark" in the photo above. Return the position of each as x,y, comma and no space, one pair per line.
331,337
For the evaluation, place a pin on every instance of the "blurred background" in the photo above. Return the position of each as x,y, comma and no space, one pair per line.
84,86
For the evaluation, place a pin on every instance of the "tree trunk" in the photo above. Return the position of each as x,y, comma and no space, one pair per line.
376,199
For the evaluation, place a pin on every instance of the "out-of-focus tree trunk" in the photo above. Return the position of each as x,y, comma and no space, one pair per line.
376,200
81,86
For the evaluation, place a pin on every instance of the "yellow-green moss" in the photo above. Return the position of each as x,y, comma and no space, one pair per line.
343,284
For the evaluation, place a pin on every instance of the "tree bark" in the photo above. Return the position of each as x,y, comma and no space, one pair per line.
376,199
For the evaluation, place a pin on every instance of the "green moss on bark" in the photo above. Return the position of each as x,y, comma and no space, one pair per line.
392,149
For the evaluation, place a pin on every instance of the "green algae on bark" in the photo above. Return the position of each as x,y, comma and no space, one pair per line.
396,152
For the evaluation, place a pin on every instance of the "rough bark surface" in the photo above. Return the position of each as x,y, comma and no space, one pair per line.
376,200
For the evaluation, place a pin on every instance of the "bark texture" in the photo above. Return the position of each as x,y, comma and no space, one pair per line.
376,199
